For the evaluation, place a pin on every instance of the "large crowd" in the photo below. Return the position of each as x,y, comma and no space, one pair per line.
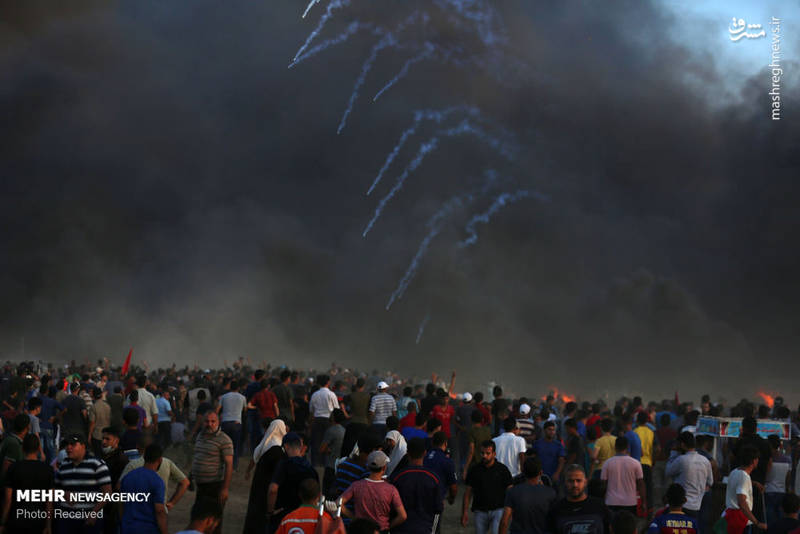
92,449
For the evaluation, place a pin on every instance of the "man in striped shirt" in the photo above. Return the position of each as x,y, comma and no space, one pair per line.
80,473
527,428
212,463
381,406
352,468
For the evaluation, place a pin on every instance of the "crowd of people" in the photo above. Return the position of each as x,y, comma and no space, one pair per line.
340,452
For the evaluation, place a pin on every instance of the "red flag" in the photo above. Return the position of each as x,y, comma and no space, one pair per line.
127,363
66,385
677,402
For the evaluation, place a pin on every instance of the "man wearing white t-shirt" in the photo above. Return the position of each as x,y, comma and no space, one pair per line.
321,405
739,495
230,409
510,447
148,402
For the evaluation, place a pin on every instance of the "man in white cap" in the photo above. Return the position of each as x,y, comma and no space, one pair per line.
381,406
373,497
527,428
463,420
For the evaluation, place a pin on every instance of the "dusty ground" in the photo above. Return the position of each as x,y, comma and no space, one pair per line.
236,507
233,521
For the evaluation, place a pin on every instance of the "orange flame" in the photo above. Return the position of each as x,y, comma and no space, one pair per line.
769,400
563,396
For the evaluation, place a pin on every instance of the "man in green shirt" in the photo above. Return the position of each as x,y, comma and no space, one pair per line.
11,447
476,435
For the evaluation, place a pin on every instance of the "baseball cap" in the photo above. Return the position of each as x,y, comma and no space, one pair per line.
524,409
383,385
467,397
377,459
76,438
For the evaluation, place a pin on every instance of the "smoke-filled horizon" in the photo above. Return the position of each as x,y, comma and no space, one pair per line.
603,209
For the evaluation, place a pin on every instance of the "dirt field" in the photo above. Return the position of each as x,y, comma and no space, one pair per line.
235,510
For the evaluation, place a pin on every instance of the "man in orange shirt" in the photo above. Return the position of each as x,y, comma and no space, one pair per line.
306,519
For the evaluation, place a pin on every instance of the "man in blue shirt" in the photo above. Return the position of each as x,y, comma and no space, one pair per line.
254,429
420,491
164,418
634,443
437,461
149,517
416,431
50,410
550,452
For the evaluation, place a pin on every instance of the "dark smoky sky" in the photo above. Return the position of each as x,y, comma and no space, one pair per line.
168,184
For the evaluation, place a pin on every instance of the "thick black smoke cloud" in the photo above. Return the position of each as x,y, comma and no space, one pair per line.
169,184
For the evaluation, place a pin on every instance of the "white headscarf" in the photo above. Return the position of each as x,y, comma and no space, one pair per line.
398,451
273,436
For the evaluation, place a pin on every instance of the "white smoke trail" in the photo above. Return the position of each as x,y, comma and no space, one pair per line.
351,29
499,202
429,146
435,226
388,40
308,8
419,116
425,54
422,326
424,149
334,5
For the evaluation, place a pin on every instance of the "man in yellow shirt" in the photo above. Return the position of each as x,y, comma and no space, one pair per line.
647,437
603,447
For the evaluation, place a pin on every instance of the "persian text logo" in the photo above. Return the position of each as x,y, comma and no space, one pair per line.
738,30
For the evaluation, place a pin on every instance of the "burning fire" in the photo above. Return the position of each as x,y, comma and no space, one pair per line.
769,400
564,397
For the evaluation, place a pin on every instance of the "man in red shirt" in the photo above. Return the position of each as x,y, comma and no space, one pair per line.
410,418
487,415
443,412
265,402
374,498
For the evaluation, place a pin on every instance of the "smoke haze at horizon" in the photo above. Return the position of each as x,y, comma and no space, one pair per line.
169,184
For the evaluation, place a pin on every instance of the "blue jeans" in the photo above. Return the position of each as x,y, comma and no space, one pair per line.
773,503
234,431
48,443
254,429
488,522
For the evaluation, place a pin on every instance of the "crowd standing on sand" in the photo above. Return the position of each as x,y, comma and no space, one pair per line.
341,451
